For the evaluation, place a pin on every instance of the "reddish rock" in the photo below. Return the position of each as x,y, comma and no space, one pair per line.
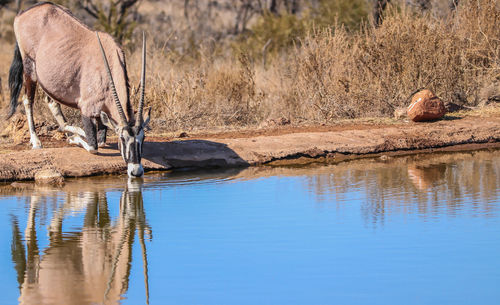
425,106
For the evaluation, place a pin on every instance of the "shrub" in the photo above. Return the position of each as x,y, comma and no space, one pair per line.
273,34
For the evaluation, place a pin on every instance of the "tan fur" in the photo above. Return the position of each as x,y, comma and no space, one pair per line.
63,55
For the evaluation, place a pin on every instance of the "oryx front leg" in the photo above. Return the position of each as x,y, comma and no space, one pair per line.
55,108
90,134
101,133
90,144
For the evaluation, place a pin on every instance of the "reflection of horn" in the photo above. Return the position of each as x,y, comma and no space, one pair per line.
144,262
126,236
115,263
131,218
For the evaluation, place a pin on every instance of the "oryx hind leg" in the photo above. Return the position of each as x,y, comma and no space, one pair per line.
28,100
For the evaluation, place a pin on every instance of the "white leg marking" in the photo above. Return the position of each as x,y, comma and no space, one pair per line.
74,130
55,108
76,139
35,142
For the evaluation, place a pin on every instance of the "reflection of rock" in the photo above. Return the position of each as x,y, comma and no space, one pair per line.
425,177
49,176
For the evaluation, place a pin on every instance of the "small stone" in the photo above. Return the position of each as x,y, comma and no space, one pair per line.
400,113
183,135
49,176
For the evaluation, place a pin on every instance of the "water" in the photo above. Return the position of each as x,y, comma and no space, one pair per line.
423,229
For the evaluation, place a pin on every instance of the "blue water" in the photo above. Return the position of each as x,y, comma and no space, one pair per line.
414,230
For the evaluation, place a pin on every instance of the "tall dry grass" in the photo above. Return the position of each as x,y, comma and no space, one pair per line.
334,73
331,73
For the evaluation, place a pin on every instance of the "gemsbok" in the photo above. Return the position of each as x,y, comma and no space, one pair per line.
82,69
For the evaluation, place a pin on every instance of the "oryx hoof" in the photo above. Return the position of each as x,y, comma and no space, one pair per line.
73,140
36,144
102,144
92,151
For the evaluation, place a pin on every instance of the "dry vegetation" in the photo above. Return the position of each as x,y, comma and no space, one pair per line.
318,74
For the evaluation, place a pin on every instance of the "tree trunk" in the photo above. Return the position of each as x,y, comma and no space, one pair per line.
274,7
378,10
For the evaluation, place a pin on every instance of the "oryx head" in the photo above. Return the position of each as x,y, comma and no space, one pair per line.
130,134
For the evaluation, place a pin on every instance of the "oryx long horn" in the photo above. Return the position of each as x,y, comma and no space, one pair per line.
112,83
139,119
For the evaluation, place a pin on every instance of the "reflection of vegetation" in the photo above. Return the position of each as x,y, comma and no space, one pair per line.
416,184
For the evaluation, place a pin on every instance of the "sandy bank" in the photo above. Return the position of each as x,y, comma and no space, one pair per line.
289,146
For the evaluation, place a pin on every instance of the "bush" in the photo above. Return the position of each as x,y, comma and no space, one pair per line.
375,71
272,34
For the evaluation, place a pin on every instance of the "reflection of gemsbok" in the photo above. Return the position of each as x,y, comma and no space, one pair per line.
91,266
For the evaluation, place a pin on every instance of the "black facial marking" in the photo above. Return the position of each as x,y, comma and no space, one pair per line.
130,147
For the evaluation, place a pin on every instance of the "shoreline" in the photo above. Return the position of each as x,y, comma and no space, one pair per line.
286,148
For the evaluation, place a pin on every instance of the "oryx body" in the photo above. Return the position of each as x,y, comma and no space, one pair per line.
77,69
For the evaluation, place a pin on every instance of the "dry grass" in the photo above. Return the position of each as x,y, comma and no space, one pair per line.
332,74
377,70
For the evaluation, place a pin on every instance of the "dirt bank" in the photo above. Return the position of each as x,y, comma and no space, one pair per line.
286,145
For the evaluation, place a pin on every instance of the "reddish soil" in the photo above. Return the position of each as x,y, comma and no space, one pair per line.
279,145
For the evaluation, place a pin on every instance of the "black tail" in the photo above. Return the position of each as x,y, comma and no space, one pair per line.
15,80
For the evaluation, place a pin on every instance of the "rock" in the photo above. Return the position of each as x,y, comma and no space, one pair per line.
277,122
384,157
425,106
49,176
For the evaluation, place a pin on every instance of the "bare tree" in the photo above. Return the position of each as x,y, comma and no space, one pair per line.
378,10
5,3
290,6
453,4
273,8
245,11
113,16
421,4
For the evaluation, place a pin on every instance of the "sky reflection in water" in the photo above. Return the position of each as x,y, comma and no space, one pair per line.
423,229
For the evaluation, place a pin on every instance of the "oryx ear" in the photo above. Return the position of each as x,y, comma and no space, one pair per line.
147,119
106,120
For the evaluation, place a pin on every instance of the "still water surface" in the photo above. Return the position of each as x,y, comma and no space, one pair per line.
423,229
